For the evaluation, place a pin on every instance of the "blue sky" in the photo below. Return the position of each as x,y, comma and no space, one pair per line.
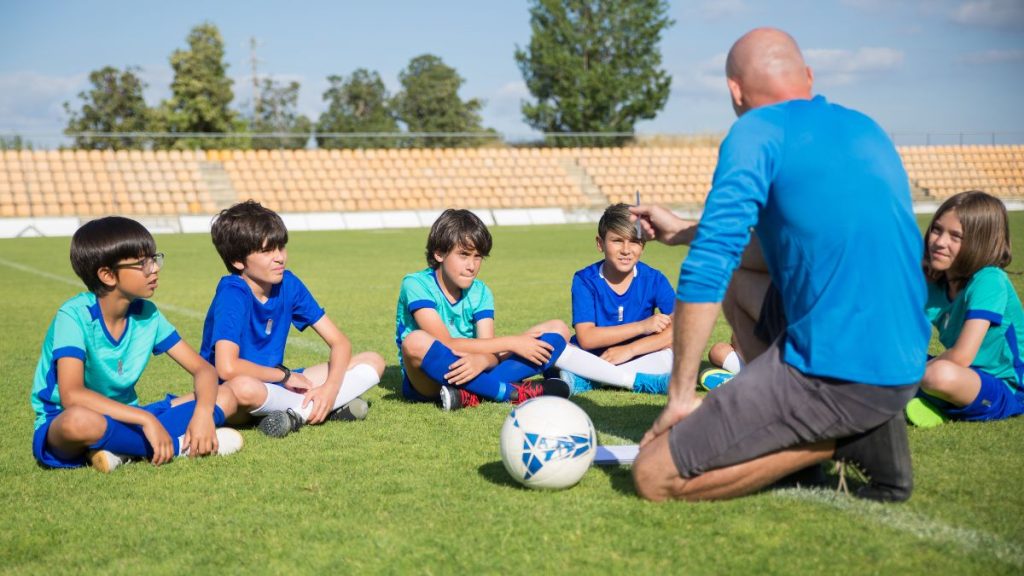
916,66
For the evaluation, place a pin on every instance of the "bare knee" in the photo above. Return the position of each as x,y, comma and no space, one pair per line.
654,473
81,425
415,346
372,359
941,377
554,326
719,352
247,391
226,401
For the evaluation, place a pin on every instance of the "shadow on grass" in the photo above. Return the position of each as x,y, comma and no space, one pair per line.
391,383
629,422
495,473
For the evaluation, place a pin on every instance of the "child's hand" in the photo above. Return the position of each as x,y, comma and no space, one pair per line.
200,437
298,383
467,367
160,440
617,354
323,398
657,323
531,348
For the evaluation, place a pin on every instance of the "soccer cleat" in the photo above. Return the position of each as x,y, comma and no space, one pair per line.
105,461
280,423
651,383
229,441
713,378
354,410
548,387
924,414
577,384
454,398
883,455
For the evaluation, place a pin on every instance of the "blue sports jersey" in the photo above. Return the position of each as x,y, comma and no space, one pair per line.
594,301
260,329
830,200
111,367
420,290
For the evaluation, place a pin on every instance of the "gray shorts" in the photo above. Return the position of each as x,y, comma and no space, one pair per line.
770,406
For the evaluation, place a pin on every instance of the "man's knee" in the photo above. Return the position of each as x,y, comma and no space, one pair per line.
654,472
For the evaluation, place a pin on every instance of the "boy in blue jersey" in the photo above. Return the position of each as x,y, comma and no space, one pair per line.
620,309
445,328
95,350
247,327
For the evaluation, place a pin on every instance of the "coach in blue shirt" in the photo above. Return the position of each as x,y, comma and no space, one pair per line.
825,192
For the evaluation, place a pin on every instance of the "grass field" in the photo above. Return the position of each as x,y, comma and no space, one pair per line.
415,490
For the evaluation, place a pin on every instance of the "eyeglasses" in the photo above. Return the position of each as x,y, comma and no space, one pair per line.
147,265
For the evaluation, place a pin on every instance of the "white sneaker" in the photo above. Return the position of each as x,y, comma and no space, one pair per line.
229,441
105,461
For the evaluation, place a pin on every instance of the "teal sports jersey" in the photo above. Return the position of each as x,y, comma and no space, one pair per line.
989,295
112,367
421,290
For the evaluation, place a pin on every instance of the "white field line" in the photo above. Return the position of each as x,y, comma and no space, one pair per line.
182,311
920,526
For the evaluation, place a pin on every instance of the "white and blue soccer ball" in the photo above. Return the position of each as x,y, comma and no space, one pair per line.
548,442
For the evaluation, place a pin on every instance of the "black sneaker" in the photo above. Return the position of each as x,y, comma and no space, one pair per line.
280,423
883,455
548,387
354,410
454,398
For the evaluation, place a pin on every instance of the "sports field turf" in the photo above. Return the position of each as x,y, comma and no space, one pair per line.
415,490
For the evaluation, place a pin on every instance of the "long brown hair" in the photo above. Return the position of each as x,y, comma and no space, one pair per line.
986,236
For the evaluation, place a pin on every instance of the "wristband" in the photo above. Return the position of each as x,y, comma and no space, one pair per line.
287,373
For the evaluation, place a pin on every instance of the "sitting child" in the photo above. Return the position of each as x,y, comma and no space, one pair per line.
977,312
95,350
247,327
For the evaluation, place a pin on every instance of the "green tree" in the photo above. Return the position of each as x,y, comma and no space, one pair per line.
275,111
113,104
15,142
594,65
429,102
357,104
200,94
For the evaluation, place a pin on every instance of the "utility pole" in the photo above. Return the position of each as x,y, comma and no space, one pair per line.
253,44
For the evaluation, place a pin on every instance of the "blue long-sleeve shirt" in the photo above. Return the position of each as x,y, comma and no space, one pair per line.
827,195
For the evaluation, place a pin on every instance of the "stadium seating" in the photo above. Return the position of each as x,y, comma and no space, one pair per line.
153,183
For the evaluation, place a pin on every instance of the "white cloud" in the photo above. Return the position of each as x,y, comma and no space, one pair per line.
706,80
33,103
842,67
502,109
990,13
992,57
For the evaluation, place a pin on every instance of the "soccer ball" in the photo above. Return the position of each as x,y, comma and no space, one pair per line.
548,442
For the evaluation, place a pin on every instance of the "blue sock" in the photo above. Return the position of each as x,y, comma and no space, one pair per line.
129,439
651,383
436,364
515,368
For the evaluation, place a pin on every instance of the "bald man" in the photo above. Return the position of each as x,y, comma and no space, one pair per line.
826,194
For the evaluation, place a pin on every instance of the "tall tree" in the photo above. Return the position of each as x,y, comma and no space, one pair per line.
429,102
358,103
594,65
276,111
200,93
113,104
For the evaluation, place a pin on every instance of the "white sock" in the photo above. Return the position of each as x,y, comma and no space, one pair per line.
659,362
280,398
357,380
593,368
732,363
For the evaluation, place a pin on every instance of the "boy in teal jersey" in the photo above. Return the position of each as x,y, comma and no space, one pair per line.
974,307
95,350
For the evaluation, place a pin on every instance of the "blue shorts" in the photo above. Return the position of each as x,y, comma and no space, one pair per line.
48,459
995,401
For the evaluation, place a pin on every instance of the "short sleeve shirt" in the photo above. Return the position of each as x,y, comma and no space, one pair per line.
421,290
989,295
260,329
111,367
594,301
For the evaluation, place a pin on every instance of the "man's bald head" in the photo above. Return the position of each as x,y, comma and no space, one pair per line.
764,67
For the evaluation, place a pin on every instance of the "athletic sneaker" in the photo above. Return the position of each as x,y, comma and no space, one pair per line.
354,410
577,384
883,455
924,414
651,383
454,398
229,441
280,423
531,389
713,378
105,461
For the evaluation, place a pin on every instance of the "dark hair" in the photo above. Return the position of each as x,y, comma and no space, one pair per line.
986,235
104,242
244,229
616,219
454,228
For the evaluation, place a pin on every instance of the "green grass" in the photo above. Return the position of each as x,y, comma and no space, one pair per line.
413,489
